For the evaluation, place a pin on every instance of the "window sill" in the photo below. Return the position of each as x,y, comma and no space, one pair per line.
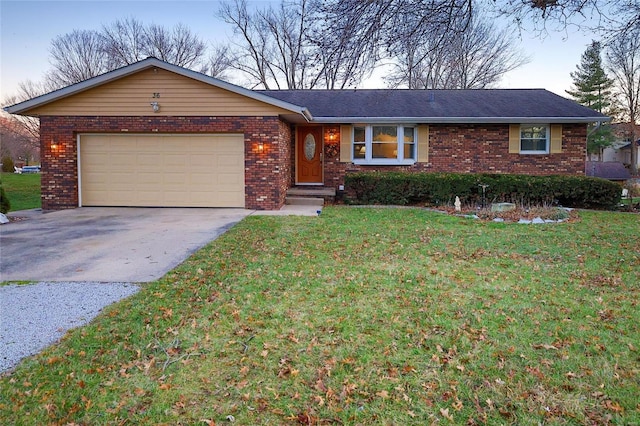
384,162
534,152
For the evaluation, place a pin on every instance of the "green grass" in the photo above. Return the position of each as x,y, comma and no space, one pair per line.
363,316
23,191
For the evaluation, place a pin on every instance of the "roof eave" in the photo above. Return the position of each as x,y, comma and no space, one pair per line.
460,120
142,65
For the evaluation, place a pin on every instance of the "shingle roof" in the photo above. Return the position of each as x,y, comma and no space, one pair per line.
611,170
372,105
487,105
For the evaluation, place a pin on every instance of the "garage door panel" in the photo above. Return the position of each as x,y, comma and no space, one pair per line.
162,170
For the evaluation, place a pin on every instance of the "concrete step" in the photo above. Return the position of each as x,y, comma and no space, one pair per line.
311,191
304,201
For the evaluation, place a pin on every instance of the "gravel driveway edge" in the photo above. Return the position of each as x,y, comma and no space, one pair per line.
34,316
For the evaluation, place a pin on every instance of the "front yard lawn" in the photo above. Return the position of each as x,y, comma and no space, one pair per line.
23,190
363,316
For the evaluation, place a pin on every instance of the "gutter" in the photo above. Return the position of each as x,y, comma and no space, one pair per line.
461,120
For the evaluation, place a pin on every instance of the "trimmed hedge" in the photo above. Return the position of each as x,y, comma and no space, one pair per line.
402,188
5,205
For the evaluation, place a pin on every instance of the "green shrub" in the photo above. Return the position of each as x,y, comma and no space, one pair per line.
403,188
7,164
5,205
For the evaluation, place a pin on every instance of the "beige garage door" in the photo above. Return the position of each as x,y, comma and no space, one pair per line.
162,170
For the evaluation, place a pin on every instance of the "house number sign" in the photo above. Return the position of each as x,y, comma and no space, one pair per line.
155,95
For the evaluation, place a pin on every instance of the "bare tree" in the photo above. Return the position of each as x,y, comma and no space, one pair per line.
475,58
219,62
384,23
29,127
274,51
346,56
125,42
82,54
607,18
623,57
179,46
77,56
293,47
253,58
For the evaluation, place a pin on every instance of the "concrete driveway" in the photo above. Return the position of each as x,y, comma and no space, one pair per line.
107,244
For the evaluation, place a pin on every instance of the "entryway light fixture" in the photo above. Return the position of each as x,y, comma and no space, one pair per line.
155,106
54,145
260,147
332,135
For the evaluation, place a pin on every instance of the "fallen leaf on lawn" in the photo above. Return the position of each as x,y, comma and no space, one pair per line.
208,422
164,386
445,413
383,394
53,360
545,346
613,406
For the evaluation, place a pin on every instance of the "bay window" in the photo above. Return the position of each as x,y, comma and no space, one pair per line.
384,144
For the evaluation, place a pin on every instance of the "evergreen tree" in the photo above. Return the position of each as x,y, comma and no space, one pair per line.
593,88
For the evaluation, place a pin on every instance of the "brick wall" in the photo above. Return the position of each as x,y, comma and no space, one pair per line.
472,148
270,172
267,172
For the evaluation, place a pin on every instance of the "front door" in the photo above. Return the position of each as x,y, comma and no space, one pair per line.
309,156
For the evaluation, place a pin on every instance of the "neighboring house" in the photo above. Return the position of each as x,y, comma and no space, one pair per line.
620,150
154,134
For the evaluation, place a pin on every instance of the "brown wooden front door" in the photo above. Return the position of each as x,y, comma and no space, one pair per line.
309,155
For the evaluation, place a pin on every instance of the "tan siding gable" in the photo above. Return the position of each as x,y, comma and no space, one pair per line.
176,95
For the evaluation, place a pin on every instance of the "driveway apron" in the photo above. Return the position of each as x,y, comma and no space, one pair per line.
107,244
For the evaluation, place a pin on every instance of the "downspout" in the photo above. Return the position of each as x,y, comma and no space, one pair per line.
595,129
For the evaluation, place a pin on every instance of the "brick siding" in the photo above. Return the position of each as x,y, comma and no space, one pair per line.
267,173
473,148
469,148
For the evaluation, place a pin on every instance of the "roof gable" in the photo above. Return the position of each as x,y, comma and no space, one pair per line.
190,89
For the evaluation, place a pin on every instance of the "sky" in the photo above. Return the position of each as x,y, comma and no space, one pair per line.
27,28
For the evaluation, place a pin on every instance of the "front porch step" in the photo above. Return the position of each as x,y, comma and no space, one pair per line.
304,201
311,191
310,195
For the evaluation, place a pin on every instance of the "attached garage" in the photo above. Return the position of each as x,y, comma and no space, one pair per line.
161,170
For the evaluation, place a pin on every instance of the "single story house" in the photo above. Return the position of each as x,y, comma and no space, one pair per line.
155,134
620,150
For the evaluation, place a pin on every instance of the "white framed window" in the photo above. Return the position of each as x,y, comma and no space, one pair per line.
385,144
534,139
